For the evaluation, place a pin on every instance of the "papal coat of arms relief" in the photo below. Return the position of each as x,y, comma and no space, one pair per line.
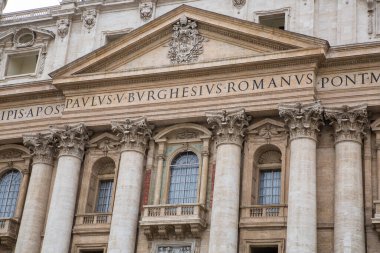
186,43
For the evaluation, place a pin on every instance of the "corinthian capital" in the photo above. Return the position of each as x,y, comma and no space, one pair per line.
41,147
134,133
229,127
350,123
71,139
302,120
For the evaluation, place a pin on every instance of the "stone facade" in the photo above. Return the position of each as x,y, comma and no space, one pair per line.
190,126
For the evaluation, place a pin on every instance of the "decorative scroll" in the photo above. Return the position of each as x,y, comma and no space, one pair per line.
302,120
134,133
42,147
71,139
350,123
229,127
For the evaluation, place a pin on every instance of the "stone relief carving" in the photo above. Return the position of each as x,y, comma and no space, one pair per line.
174,249
371,8
350,123
186,135
71,139
270,156
229,127
186,43
10,154
238,3
63,27
43,58
89,19
146,10
42,147
24,38
135,133
302,120
268,131
107,145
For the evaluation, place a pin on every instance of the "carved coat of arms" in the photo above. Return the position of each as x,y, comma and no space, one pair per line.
239,3
186,43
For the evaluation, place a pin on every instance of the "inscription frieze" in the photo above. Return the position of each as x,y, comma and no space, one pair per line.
192,91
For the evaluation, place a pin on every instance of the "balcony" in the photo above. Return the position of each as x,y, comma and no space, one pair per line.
92,223
376,218
8,233
263,216
161,221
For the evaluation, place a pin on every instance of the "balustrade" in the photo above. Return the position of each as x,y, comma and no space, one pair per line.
8,232
257,215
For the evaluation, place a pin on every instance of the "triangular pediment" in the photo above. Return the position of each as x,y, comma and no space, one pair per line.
164,45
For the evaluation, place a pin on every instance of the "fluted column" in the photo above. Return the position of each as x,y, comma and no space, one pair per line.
349,125
229,130
135,134
302,122
71,143
33,218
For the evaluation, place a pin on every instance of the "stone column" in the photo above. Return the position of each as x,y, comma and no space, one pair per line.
350,124
160,165
22,194
302,122
33,218
229,130
59,223
204,177
135,134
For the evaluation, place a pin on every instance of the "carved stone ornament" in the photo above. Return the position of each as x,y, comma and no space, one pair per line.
229,127
186,43
268,131
42,147
350,123
89,19
135,133
302,120
71,139
63,27
239,3
10,154
146,10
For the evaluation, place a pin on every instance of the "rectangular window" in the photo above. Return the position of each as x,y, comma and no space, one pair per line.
270,187
104,196
21,64
275,20
264,249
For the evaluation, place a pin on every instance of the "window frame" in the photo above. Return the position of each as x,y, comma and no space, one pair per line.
286,11
19,52
105,177
248,244
167,167
268,167
3,173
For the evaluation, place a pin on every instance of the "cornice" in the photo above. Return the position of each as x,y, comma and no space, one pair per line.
186,72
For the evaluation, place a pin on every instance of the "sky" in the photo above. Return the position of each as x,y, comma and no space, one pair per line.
20,5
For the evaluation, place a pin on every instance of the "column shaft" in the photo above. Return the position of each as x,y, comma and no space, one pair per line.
349,209
302,211
33,218
225,209
127,202
22,195
157,188
62,206
204,177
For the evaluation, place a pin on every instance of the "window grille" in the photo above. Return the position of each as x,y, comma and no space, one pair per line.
9,188
104,196
183,179
270,187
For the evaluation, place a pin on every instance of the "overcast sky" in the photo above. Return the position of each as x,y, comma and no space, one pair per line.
20,5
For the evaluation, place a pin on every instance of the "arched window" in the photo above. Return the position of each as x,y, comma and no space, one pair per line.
184,179
9,187
269,178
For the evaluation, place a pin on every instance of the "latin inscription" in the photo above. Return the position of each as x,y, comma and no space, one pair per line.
31,112
208,90
349,80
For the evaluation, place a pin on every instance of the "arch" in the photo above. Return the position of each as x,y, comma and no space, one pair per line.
10,182
15,146
104,165
167,131
268,153
183,182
